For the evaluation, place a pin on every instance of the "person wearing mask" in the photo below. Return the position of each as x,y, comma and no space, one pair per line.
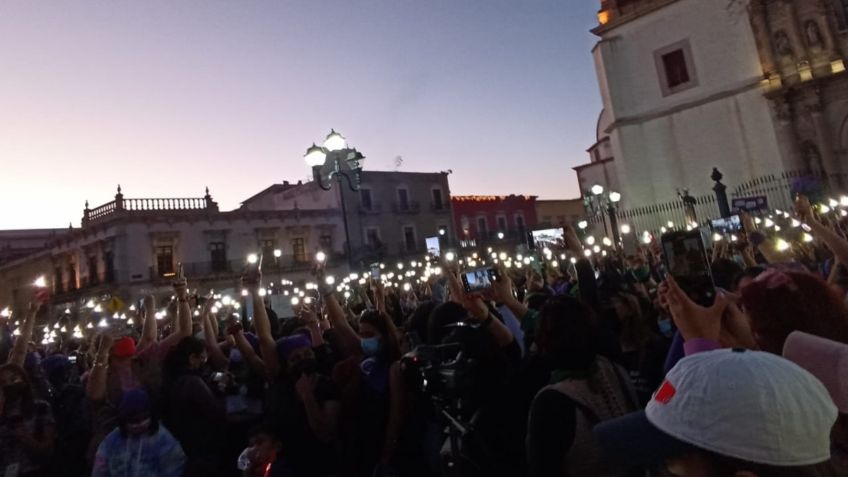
371,384
192,412
585,389
140,446
304,405
73,425
729,413
27,430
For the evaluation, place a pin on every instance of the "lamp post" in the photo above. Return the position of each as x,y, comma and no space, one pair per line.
604,205
344,164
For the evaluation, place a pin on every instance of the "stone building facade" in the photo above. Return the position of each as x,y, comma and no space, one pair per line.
390,216
128,248
801,46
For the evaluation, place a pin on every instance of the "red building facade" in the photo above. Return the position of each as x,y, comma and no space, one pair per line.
484,217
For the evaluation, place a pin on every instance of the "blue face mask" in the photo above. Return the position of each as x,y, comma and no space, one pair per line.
370,346
665,326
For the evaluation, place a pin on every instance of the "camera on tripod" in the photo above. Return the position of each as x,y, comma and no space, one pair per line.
442,372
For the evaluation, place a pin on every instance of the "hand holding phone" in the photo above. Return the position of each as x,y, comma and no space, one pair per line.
686,261
253,271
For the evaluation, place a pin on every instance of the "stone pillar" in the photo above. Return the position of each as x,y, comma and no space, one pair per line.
762,37
815,108
787,136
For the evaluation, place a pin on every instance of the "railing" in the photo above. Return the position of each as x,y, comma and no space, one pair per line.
374,209
406,208
439,208
780,189
191,203
102,211
121,205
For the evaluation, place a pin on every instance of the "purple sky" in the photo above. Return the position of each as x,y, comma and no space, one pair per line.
166,97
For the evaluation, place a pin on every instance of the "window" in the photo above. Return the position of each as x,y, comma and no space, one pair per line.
93,276
109,266
519,223
482,229
326,243
365,199
465,224
165,260
72,277
841,8
403,199
675,68
299,250
676,72
409,238
372,237
547,219
57,280
438,204
267,246
502,223
218,256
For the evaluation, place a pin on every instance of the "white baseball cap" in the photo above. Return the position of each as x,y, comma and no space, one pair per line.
749,405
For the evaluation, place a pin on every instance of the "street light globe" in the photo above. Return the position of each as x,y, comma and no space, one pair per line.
625,229
500,235
40,282
334,141
582,224
278,253
320,257
597,189
315,156
614,196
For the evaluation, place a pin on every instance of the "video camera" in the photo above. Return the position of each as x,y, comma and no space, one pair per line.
443,372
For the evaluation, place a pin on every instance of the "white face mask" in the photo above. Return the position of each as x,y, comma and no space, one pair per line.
200,335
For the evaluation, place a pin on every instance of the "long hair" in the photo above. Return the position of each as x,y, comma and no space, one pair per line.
567,333
176,361
722,465
27,398
779,303
390,351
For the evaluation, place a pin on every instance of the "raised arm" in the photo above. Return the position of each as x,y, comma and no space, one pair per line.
19,350
834,241
216,356
96,387
349,340
267,345
150,328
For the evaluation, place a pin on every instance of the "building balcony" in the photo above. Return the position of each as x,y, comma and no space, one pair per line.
121,207
439,208
375,209
406,207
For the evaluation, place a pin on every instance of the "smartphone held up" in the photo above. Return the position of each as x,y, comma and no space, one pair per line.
479,280
686,261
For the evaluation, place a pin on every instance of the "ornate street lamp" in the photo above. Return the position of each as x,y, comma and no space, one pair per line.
604,205
344,164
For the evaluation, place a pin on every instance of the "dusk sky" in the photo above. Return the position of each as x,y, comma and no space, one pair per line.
167,97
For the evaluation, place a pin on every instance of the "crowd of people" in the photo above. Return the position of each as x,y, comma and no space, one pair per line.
592,365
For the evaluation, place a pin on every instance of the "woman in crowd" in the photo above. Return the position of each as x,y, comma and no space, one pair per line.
585,389
27,430
192,411
140,446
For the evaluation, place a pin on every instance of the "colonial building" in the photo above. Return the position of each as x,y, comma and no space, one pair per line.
684,91
482,218
601,166
391,214
801,46
555,213
131,247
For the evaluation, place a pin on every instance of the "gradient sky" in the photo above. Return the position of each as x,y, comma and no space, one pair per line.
166,97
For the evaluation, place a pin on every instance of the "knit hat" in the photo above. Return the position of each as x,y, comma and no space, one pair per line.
748,405
288,344
134,402
824,359
124,347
